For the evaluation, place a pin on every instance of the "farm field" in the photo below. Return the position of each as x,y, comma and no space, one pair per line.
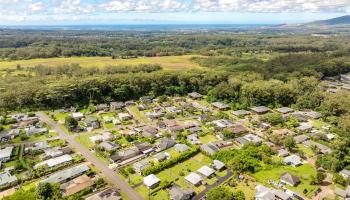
167,62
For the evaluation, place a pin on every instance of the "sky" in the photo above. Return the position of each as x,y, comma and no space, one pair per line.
85,12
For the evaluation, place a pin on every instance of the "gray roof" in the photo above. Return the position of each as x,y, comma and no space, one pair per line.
6,152
206,171
260,109
6,178
181,147
209,148
166,143
301,138
217,164
177,193
108,146
285,110
64,175
345,172
193,178
240,112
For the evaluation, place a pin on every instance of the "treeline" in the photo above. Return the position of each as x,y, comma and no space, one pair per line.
77,70
283,66
19,44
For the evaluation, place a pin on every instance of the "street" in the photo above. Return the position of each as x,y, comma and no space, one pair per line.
106,171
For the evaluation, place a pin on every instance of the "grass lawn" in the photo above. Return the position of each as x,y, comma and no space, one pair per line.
318,123
84,139
139,115
247,188
208,138
61,116
303,172
167,62
306,150
30,185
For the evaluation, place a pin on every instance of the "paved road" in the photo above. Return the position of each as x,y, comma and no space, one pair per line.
106,171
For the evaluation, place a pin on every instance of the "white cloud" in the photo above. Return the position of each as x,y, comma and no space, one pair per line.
36,6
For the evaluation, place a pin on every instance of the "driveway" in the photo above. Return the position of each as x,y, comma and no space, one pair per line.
105,170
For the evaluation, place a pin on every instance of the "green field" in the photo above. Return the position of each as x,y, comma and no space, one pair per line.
167,62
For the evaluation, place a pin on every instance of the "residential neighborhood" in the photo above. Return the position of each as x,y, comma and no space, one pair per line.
179,154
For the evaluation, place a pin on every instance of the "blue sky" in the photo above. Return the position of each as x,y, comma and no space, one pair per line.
56,12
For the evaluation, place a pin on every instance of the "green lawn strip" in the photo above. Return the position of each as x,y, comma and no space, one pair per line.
139,115
247,188
84,139
208,138
306,150
303,172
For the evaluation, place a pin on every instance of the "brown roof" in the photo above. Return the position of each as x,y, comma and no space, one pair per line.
76,185
289,178
238,128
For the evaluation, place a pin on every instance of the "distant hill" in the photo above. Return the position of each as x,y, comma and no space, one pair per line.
343,20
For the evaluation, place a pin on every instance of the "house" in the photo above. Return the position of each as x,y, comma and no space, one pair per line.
260,110
313,114
77,115
181,148
293,160
125,154
117,105
195,129
341,193
102,107
172,109
76,185
124,116
29,121
265,193
345,173
154,115
108,146
38,146
149,131
194,179
206,171
53,152
92,122
209,148
151,181
108,194
105,136
177,193
240,113
141,165
241,141
282,132
160,157
220,106
289,179
193,139
32,130
253,138
203,117
222,123
218,165
285,110
6,178
195,95
304,127
5,154
322,148
175,129
165,143
53,162
144,147
282,153
200,107
190,124
146,99
301,138
238,129
300,116
142,107
66,174
129,103
8,135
